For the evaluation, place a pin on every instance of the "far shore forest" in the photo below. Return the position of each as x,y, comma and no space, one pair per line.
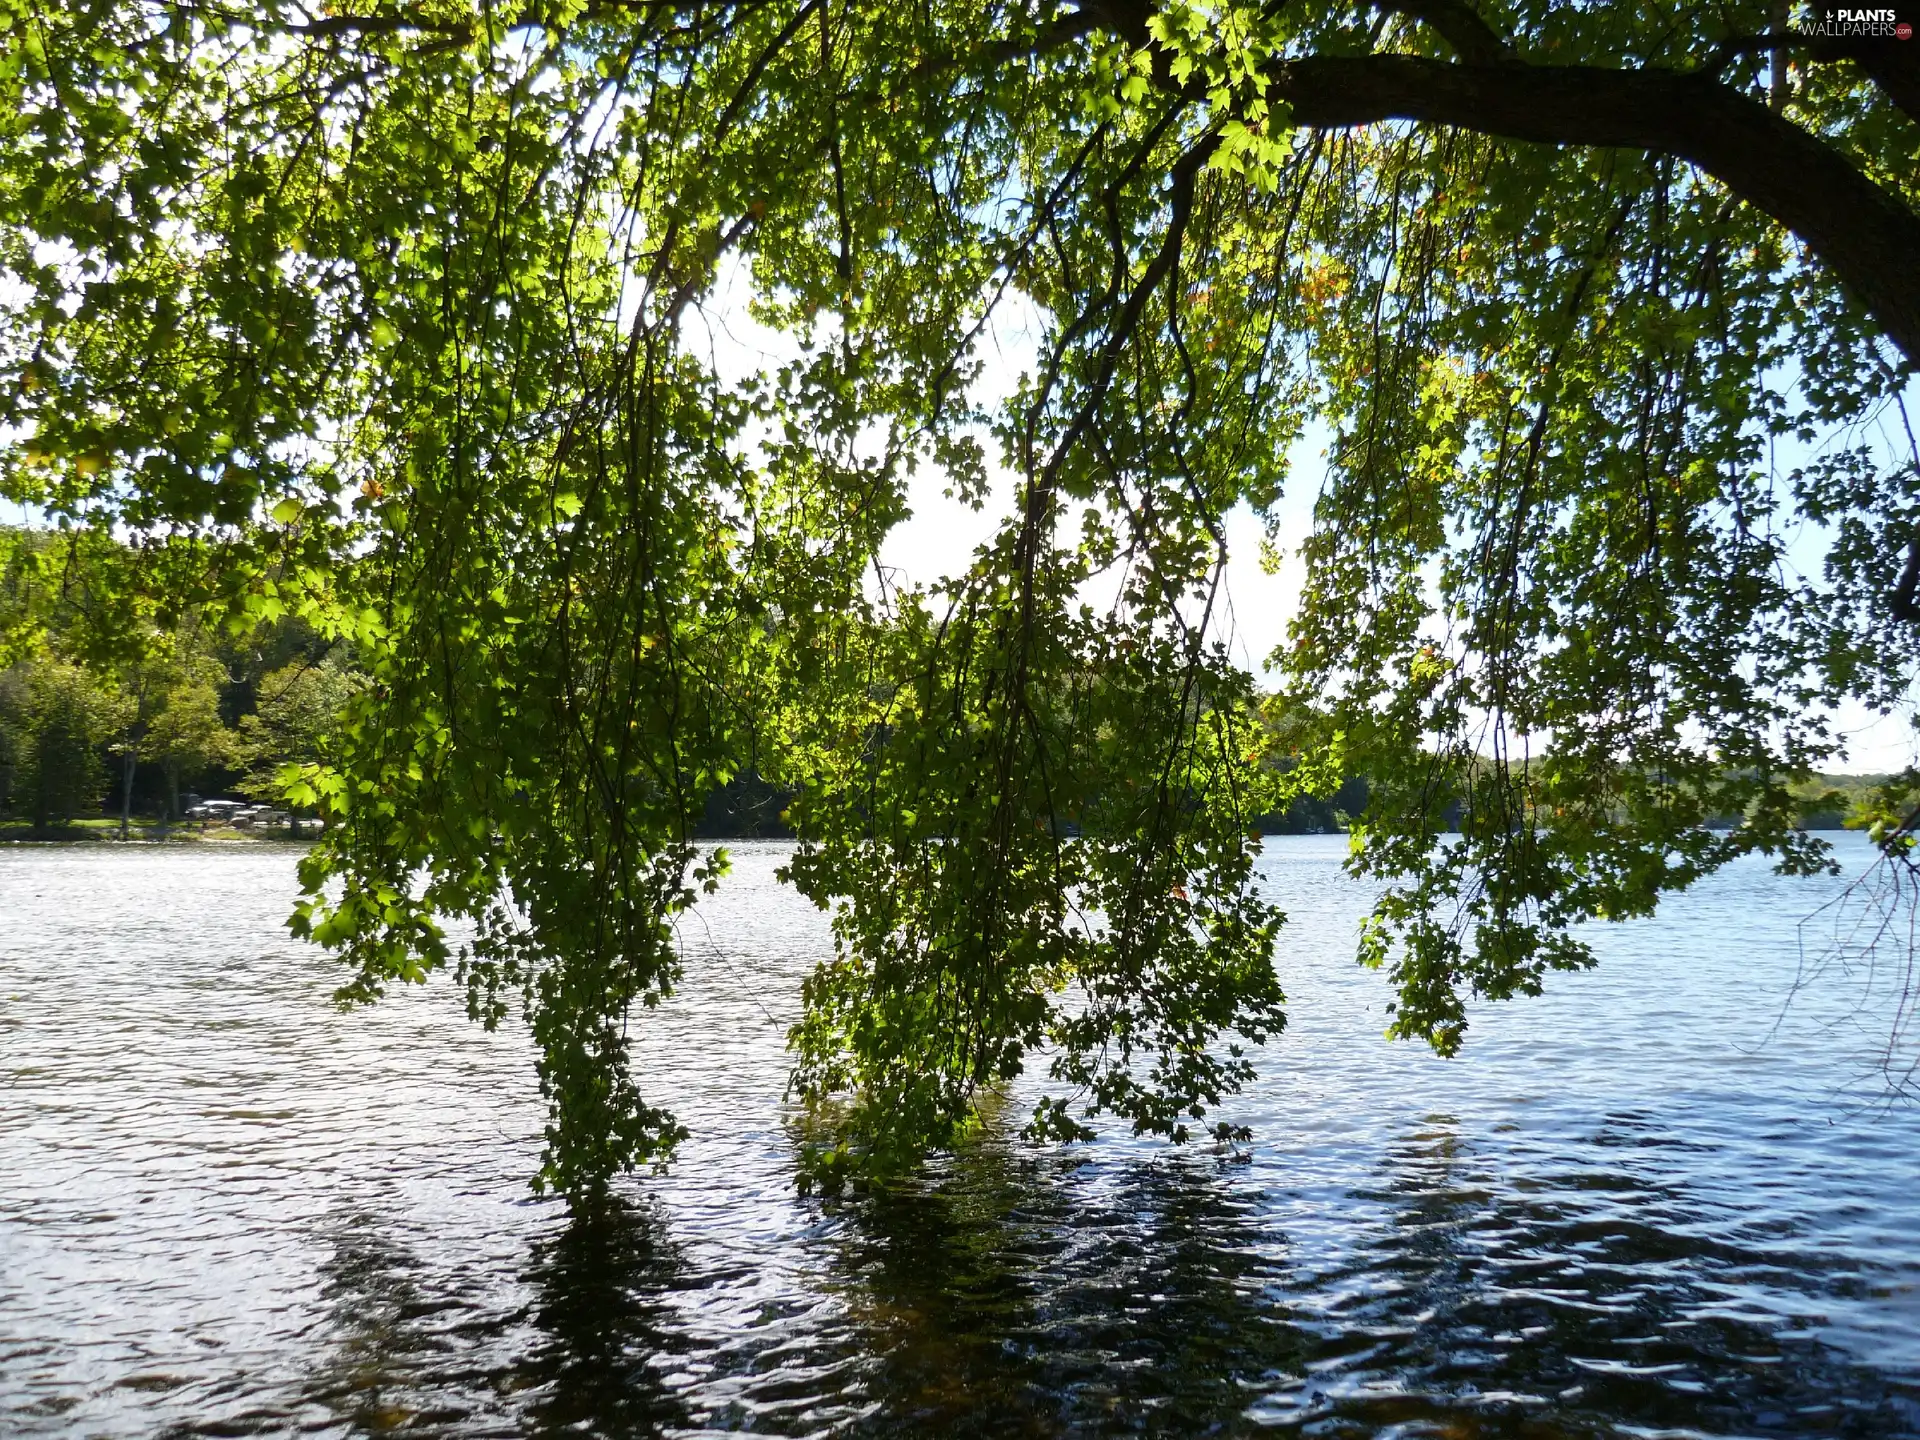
99,746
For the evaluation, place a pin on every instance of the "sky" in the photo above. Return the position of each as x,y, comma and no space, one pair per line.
939,537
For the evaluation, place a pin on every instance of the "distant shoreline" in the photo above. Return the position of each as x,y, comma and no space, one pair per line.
191,832
154,832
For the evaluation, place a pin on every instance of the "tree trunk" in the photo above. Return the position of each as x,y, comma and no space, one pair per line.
126,791
42,794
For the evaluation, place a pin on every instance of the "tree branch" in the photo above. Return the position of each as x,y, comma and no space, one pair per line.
1460,25
1894,68
1864,235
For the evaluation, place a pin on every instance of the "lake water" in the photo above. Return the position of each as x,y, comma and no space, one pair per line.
1660,1201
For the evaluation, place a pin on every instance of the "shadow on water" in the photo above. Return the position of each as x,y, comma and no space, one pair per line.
605,1338
416,1353
1012,1295
1007,1294
385,1348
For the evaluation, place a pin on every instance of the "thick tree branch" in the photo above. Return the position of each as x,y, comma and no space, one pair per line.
1865,236
1900,604
1063,29
1460,25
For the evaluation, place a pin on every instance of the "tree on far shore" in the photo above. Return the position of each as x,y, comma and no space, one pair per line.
299,705
187,736
65,716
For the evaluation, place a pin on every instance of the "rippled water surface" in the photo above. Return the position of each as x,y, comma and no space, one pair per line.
1644,1205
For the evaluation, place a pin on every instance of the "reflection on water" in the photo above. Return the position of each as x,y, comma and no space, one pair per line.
591,1347
226,1209
375,1297
605,1341
1014,1296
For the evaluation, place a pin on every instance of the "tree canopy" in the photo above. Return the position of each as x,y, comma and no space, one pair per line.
380,312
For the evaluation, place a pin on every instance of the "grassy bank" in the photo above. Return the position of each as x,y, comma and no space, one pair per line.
178,832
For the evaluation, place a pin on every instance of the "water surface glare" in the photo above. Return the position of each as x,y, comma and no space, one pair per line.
1632,1207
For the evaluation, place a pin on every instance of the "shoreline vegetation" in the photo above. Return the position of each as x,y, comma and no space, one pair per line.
156,832
150,830
109,724
115,712
193,832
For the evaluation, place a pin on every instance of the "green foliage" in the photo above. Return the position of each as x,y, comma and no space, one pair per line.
62,716
13,731
1890,812
298,707
1554,519
161,684
384,321
187,737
